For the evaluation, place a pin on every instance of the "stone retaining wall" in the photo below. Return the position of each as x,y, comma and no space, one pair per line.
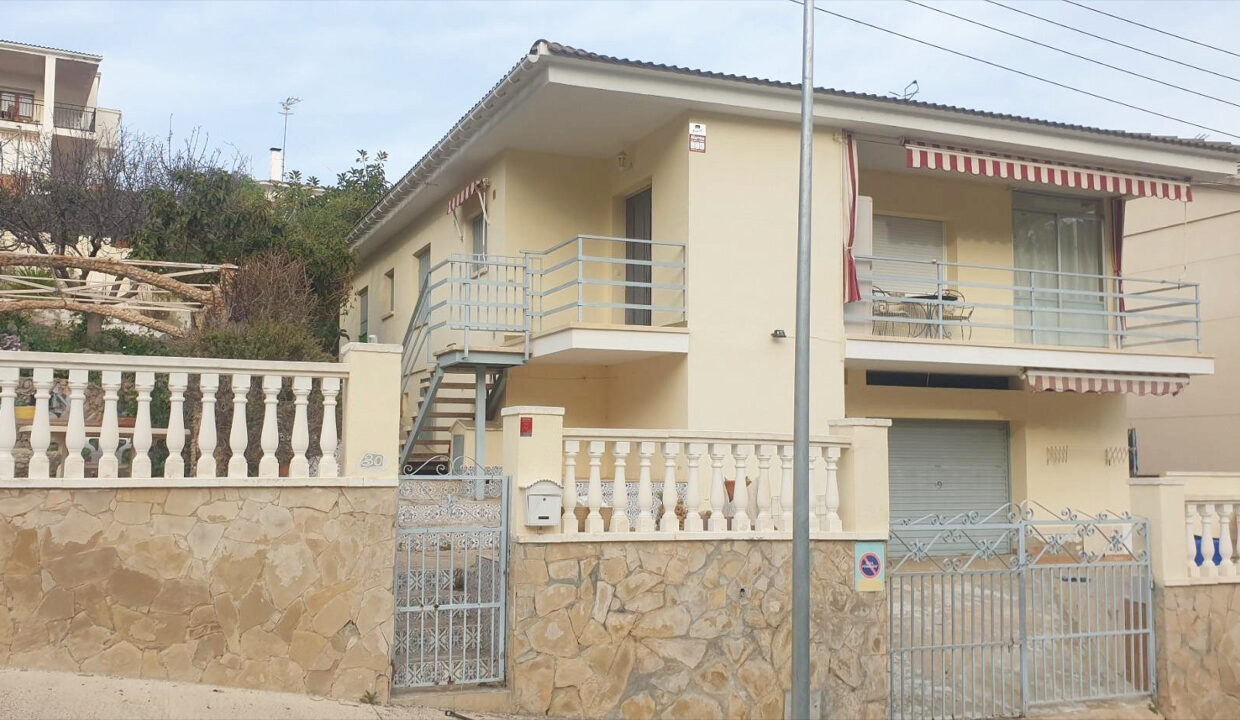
280,589
1197,632
688,629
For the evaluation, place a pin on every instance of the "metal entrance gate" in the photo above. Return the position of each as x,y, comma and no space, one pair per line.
451,581
1044,608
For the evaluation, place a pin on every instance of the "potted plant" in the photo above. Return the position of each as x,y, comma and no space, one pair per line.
25,409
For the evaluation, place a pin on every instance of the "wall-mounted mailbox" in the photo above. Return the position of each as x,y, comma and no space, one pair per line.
543,502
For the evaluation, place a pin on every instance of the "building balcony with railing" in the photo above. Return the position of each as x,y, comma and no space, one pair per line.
580,299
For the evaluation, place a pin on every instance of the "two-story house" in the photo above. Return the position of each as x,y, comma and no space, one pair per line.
49,98
617,238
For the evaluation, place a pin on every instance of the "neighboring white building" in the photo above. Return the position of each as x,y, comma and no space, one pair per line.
49,95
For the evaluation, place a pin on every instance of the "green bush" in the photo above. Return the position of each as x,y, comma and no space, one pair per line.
258,339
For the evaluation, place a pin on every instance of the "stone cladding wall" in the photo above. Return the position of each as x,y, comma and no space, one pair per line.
274,588
688,629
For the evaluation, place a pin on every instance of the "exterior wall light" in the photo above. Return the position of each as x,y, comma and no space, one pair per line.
779,334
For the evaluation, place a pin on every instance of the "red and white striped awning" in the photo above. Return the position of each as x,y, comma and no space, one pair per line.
1084,382
974,162
469,191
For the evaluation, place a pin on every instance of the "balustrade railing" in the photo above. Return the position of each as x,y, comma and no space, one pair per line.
1193,524
1210,537
110,416
670,481
73,117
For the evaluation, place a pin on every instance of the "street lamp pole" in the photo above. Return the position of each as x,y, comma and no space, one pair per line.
800,421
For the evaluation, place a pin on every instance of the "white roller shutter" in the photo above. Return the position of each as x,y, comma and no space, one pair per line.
908,239
946,468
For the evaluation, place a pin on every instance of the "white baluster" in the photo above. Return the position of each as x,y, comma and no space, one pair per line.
269,438
693,494
620,489
645,495
718,491
9,377
785,490
208,383
594,495
1207,539
299,466
1225,546
75,433
109,435
831,519
569,522
764,521
1190,530
41,433
174,466
668,522
144,383
238,433
740,490
328,465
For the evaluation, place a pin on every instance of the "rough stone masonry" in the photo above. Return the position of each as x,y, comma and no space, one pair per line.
273,588
688,629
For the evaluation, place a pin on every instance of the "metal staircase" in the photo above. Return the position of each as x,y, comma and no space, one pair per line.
470,325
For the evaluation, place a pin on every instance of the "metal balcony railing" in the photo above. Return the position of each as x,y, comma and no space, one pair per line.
74,117
474,301
22,110
984,303
608,280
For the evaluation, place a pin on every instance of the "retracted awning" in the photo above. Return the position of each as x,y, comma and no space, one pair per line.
1084,382
469,191
975,162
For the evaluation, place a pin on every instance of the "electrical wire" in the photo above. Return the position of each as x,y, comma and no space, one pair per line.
1022,73
1078,56
1114,42
1083,6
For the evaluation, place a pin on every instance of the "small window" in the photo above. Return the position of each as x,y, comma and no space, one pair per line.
478,232
389,282
363,302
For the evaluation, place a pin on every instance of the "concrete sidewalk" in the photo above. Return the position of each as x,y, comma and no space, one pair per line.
39,694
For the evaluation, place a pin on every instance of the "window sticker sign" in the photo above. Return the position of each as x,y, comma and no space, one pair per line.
869,566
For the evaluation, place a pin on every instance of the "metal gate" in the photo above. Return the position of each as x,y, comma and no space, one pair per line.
451,580
1043,608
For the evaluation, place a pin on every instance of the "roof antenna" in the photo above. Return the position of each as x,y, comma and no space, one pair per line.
910,91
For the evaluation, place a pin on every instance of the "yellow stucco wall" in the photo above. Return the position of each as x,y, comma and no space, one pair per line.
1193,242
742,276
1087,424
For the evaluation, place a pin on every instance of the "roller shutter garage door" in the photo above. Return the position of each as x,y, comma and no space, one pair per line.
947,467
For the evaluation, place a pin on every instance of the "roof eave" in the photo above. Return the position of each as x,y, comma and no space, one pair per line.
482,115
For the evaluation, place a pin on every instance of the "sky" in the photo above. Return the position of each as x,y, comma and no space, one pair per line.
394,76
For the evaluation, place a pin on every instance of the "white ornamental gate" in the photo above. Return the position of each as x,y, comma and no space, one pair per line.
451,580
1040,608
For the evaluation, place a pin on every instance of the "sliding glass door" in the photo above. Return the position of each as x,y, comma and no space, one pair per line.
1058,246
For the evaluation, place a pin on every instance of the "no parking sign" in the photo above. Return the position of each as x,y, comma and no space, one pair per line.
869,566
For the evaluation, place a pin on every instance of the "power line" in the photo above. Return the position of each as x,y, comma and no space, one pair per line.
1114,42
1039,78
1151,27
1072,54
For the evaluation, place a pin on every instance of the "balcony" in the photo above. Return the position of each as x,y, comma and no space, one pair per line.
969,303
64,115
587,299
21,110
73,117
917,314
